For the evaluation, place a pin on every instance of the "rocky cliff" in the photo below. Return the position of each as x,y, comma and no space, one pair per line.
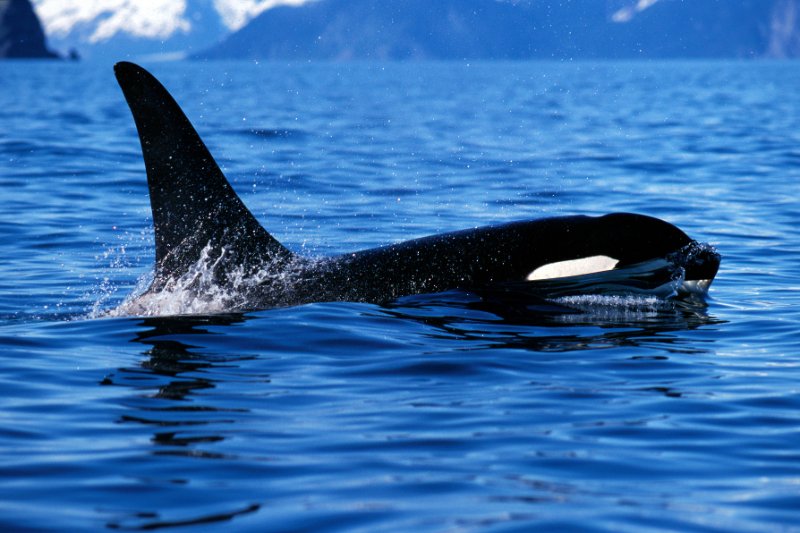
21,34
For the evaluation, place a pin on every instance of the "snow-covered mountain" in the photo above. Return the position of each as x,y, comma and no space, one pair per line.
135,28
422,29
518,29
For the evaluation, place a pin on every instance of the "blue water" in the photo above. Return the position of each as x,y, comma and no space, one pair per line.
414,416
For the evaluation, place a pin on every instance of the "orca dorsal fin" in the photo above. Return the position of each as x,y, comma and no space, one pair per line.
194,207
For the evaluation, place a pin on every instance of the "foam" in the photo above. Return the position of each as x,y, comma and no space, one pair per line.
199,290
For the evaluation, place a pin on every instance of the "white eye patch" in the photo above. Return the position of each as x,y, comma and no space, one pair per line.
574,267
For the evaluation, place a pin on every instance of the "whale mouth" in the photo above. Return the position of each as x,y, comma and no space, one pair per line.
695,287
700,263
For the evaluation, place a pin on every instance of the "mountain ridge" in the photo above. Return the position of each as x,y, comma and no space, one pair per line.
166,29
489,29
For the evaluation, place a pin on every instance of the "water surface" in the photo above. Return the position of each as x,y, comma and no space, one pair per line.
417,415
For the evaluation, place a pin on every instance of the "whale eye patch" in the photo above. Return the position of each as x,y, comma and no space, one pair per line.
573,267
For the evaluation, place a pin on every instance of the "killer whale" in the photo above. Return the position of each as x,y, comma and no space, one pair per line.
206,240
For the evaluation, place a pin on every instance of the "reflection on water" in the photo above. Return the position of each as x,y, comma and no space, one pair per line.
151,521
177,366
169,357
172,376
188,372
547,326
182,378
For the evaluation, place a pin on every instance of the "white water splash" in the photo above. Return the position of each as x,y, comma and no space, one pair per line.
199,292
627,301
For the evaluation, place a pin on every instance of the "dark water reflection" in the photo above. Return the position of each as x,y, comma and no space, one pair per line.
171,380
553,327
181,400
169,356
178,363
175,344
180,371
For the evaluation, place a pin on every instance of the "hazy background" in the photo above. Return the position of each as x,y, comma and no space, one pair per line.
412,29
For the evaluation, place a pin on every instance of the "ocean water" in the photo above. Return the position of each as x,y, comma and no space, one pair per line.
631,415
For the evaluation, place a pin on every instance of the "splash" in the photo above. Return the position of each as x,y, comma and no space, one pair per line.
200,291
614,309
619,301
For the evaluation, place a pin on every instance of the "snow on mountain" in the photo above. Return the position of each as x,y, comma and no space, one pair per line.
101,20
419,29
237,13
626,14
522,29
170,28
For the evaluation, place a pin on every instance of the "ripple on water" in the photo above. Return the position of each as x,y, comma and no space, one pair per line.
424,414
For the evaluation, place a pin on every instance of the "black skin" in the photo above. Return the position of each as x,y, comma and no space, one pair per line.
194,206
477,258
